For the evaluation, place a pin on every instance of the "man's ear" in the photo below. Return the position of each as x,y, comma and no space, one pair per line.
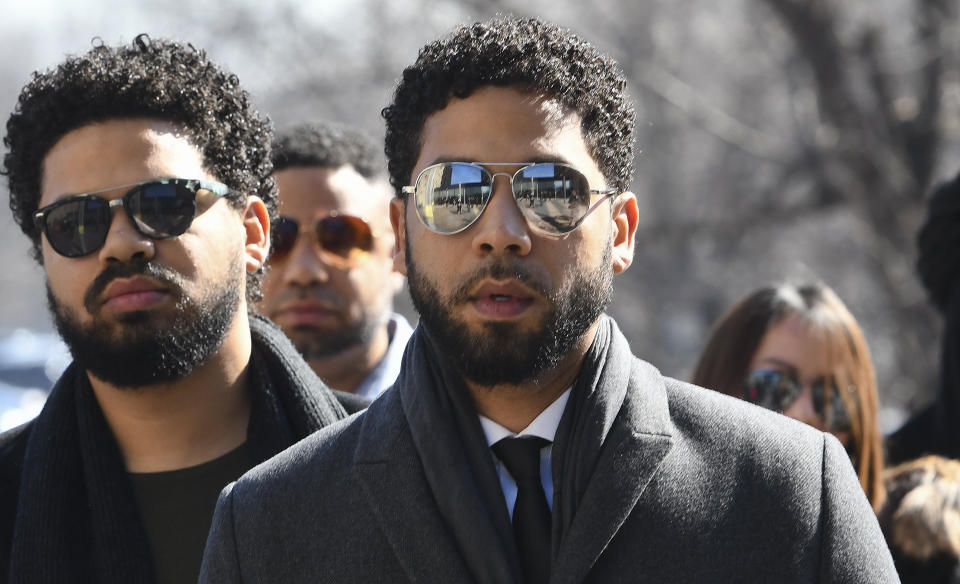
625,218
256,225
398,219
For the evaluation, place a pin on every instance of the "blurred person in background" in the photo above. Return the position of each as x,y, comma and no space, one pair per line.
936,428
921,520
330,281
141,175
798,350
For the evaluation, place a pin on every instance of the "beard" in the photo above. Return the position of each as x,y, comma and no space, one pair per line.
315,343
352,328
502,353
144,348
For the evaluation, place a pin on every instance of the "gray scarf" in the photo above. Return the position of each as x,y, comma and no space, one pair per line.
457,461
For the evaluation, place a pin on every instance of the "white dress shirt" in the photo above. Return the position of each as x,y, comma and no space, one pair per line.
385,373
543,426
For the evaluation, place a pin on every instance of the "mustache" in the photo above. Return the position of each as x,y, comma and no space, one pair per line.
317,292
500,270
136,267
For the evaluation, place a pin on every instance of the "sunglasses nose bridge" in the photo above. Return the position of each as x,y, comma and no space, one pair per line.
501,228
509,185
123,239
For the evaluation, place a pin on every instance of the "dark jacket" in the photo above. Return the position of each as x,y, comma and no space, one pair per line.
66,504
690,486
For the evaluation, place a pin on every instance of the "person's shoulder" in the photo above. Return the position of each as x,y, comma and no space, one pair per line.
13,443
324,459
691,404
13,447
737,447
742,434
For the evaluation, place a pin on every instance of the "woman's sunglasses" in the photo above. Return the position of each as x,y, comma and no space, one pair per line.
778,390
78,226
344,239
451,196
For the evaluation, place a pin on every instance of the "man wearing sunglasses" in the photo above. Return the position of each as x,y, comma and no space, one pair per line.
142,177
331,281
522,441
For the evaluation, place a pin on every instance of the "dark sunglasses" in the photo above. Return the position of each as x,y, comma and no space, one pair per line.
77,226
553,197
778,390
344,239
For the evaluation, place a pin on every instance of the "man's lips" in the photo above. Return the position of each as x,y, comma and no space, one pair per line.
137,293
305,313
501,299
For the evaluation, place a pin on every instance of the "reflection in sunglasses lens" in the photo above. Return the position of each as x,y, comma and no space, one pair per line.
777,391
162,210
553,197
77,226
340,235
284,236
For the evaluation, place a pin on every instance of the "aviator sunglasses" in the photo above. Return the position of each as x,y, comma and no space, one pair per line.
778,390
77,226
344,239
553,197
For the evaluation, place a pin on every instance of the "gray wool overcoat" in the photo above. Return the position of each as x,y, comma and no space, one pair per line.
691,487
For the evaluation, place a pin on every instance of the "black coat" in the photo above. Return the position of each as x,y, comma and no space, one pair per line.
66,504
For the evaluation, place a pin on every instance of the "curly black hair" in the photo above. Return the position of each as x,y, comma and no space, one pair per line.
327,145
528,53
150,78
939,243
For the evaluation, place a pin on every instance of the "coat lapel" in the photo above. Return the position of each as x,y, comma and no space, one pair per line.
389,470
631,454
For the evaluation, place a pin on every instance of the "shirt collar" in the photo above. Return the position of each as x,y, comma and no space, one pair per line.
385,372
543,426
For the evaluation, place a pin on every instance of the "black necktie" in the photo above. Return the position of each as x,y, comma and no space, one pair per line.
531,514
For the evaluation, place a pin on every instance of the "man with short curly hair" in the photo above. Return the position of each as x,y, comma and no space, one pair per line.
142,176
522,441
331,281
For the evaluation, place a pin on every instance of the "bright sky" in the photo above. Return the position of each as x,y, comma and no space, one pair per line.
50,29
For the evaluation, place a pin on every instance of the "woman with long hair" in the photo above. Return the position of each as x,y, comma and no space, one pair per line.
798,350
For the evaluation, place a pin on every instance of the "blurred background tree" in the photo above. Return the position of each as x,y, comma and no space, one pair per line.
778,139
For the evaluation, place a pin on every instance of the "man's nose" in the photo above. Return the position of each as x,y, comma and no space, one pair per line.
124,242
304,265
501,229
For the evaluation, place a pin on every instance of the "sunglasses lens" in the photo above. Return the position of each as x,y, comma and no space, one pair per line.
771,389
162,210
284,235
78,227
449,197
828,402
553,197
343,235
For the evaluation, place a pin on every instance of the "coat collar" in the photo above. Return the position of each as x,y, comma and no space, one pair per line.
637,443
388,468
